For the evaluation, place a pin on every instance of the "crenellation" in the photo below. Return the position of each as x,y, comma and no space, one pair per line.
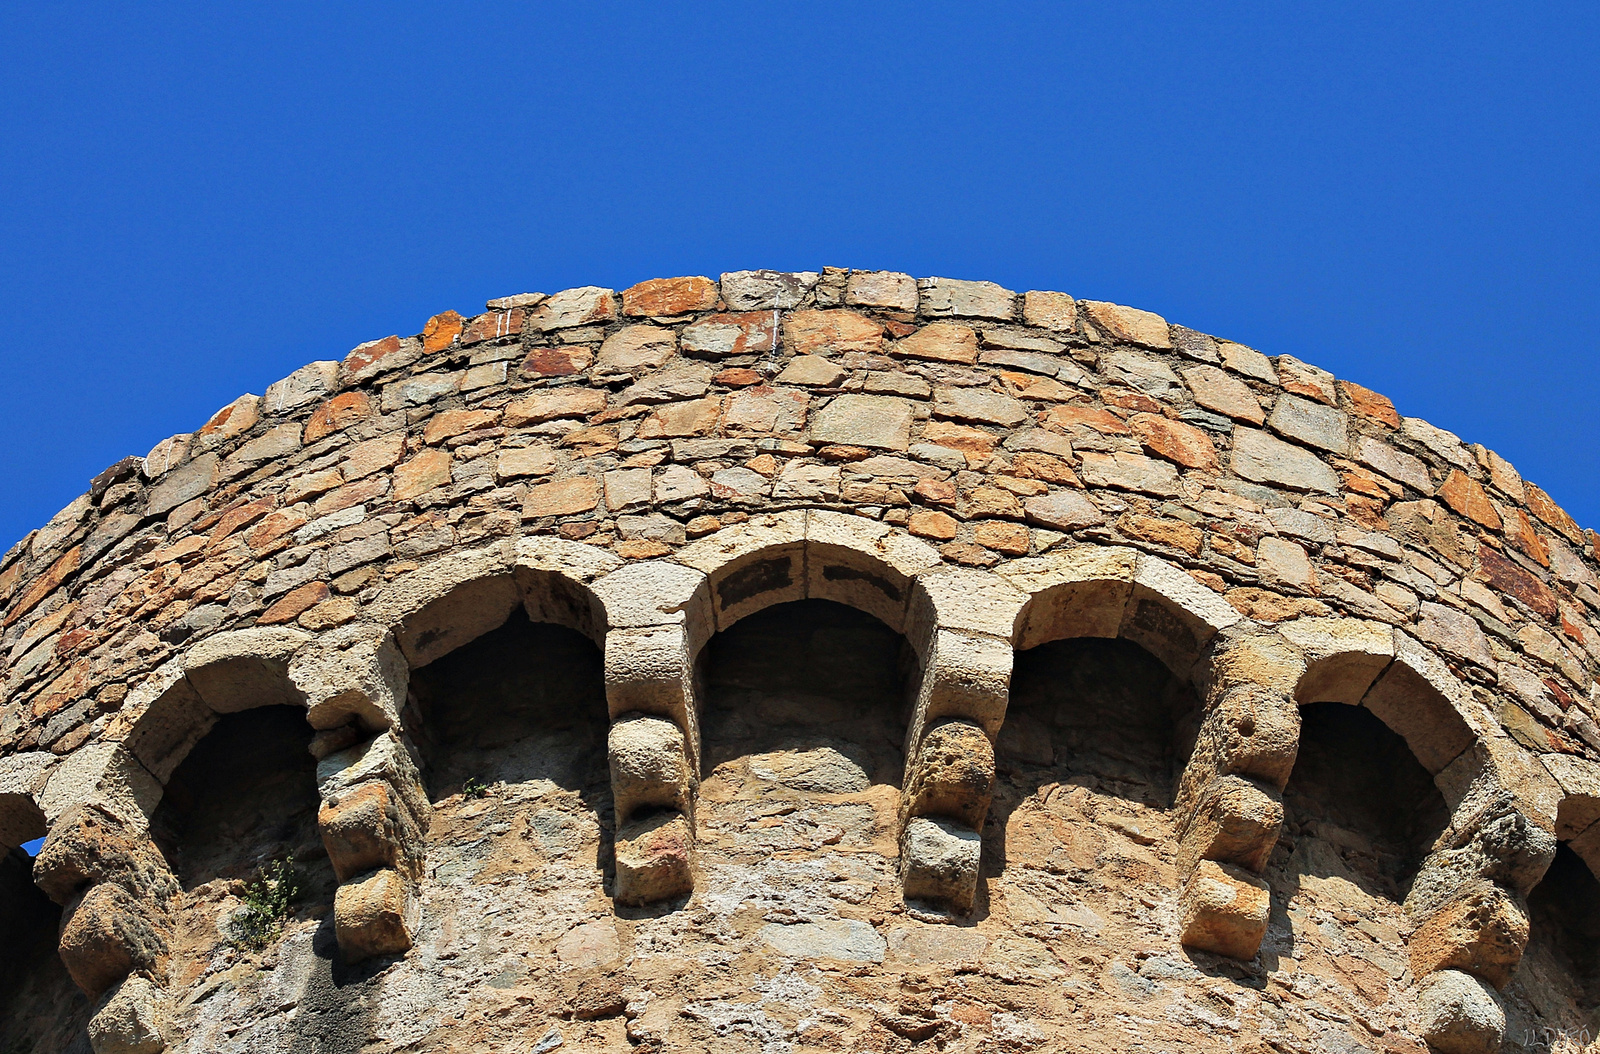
981,471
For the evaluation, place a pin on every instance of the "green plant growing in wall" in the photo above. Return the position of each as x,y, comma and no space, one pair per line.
267,902
474,788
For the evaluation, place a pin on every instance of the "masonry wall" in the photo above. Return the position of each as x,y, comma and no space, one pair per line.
990,479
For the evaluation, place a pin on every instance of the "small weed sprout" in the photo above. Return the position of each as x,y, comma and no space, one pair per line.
267,901
474,788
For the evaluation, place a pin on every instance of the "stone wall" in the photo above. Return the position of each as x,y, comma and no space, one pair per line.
520,548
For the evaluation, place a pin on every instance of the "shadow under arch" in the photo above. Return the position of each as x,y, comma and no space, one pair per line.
1556,988
506,707
805,710
41,1009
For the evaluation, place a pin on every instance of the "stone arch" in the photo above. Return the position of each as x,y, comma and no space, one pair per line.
743,569
430,613
1109,591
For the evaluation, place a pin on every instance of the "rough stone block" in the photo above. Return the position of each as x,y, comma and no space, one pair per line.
1261,458
90,845
939,862
953,774
1482,931
383,758
1459,1014
1235,821
1249,732
964,676
649,671
951,296
653,858
1224,911
375,916
135,1018
649,765
107,935
354,673
766,290
168,728
875,421
370,827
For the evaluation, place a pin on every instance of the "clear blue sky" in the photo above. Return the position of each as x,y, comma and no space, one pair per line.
195,199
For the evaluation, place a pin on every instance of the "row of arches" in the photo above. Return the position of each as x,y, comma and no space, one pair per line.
801,665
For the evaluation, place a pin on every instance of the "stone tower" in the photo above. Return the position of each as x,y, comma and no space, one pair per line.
798,662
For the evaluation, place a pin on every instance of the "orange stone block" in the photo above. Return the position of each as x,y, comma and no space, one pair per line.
45,584
441,331
1174,440
661,297
1067,417
426,471
565,497
367,354
1008,538
337,414
291,604
1540,505
1463,494
493,325
818,332
936,525
1370,404
1525,537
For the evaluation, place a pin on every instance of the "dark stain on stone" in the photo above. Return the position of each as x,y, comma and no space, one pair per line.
841,573
763,576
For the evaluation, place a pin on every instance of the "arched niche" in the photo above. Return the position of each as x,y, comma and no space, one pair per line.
225,736
40,1006
1556,987
805,705
506,707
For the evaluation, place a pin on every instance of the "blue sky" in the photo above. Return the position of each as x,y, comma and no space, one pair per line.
195,198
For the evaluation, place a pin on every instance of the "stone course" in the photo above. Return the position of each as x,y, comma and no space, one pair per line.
982,470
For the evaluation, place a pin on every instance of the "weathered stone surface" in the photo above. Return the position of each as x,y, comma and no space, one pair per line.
833,331
1175,441
134,1019
1481,931
370,827
649,765
375,916
1459,1014
1216,390
953,774
1049,310
940,342
1127,323
766,290
979,405
654,859
939,862
638,347
1224,911
881,289
1235,821
874,421
575,307
1062,510
108,934
670,296
949,296
813,371
1316,425
1259,457
434,485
